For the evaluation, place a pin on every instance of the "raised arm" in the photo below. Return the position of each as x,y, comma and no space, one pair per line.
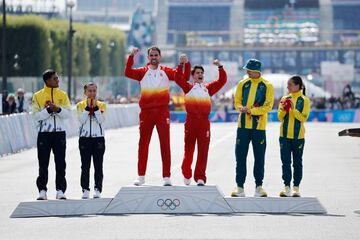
216,85
180,79
171,73
134,73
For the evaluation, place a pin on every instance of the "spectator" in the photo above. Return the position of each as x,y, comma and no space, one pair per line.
10,105
21,103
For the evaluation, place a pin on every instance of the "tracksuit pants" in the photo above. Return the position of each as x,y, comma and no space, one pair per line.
55,141
258,139
296,148
197,130
149,118
95,148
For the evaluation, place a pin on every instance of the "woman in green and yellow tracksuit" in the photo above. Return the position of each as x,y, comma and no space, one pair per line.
293,111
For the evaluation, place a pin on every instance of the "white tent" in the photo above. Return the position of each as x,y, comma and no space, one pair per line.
279,81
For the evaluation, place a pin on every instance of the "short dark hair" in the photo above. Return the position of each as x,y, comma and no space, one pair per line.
88,85
154,48
197,67
48,74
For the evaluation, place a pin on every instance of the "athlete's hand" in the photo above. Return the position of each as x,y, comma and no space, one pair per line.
134,51
216,62
183,59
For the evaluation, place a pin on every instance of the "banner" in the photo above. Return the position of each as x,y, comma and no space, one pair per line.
348,116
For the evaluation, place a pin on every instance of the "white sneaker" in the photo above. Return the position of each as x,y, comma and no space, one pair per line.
86,194
139,181
166,181
238,192
260,192
296,192
286,192
97,193
42,195
200,182
187,181
60,195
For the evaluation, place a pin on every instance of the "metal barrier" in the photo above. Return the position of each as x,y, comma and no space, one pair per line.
18,131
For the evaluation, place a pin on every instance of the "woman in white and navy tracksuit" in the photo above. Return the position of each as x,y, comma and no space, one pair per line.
91,114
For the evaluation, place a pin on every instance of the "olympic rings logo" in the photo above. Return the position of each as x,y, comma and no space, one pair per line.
168,203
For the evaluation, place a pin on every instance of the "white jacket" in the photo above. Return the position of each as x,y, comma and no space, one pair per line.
91,126
50,122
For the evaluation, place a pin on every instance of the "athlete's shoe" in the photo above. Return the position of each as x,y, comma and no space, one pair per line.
286,192
296,192
166,181
139,181
187,181
60,195
97,193
238,192
260,192
86,194
42,195
200,182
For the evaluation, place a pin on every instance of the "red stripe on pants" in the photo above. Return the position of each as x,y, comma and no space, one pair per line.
197,129
149,118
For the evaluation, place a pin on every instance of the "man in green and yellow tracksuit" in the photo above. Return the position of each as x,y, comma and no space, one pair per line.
254,98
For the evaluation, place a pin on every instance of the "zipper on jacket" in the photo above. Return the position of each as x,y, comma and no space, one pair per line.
90,125
52,100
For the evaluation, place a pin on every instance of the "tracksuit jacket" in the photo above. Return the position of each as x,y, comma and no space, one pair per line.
197,125
258,96
292,133
153,102
51,134
91,142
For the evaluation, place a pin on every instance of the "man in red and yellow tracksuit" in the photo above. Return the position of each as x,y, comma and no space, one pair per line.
154,81
197,125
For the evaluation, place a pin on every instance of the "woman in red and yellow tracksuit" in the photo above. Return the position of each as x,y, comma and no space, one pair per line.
293,111
197,125
91,115
154,80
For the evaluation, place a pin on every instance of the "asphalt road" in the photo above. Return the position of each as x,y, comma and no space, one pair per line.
331,173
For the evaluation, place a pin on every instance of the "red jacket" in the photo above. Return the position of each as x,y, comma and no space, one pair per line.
154,83
197,95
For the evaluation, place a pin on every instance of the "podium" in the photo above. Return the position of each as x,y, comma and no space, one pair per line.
282,205
168,200
57,208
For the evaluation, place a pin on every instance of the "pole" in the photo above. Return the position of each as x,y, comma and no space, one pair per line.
70,37
4,76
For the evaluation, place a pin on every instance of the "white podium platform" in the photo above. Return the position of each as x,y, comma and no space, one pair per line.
168,200
52,208
276,205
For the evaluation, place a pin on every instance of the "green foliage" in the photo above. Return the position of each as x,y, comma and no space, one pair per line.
35,44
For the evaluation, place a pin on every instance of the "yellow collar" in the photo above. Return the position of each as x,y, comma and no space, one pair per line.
48,89
296,94
256,80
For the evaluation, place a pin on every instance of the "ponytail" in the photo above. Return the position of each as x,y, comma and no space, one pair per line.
297,80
